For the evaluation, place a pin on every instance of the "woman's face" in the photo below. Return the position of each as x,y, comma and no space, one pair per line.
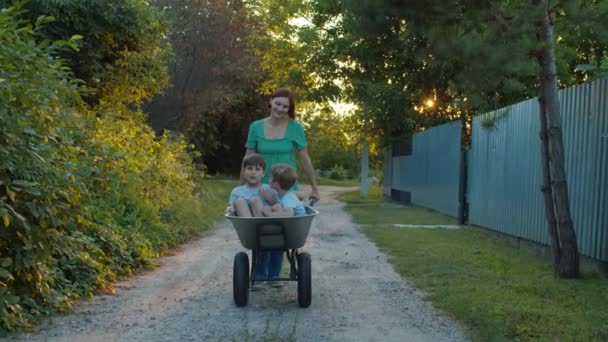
279,107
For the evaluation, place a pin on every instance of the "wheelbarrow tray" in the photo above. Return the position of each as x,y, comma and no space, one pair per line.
273,233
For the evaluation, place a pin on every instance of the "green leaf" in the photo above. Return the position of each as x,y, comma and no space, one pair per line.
586,67
6,274
27,186
11,195
30,131
12,299
23,183
6,262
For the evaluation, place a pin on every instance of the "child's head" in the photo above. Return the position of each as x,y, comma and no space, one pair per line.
253,168
254,159
283,175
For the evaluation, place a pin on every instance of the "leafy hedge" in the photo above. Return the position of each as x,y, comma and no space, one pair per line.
86,195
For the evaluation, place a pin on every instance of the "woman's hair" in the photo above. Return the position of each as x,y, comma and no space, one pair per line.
284,92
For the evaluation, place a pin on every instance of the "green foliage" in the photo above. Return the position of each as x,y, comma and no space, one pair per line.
322,180
374,195
123,54
338,172
86,196
331,139
389,57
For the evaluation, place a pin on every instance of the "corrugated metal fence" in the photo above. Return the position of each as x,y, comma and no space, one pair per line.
504,170
431,173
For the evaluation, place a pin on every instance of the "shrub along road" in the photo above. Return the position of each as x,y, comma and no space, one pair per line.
357,296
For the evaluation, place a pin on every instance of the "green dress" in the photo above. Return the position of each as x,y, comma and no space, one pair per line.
276,151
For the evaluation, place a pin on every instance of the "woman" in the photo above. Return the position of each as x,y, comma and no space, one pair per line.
275,138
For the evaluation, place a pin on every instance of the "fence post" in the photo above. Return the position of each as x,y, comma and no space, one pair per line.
364,168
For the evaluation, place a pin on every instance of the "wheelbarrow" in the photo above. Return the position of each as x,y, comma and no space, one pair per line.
261,234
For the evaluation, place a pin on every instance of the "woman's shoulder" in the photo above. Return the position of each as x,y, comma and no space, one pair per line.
296,126
295,123
257,128
258,122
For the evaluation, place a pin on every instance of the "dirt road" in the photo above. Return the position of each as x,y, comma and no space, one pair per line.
357,296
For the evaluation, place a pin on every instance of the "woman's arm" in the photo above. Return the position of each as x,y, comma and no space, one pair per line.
242,175
310,171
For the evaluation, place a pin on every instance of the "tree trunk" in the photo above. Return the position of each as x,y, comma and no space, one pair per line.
569,261
546,188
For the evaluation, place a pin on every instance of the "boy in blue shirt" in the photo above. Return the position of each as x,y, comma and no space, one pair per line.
282,178
245,200
249,199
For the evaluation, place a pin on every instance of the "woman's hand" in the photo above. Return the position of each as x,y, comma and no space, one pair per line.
315,193
229,210
310,172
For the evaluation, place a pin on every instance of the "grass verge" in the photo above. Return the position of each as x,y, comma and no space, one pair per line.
212,199
496,291
336,182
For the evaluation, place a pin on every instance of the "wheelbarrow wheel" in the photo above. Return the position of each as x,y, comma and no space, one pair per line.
240,279
304,280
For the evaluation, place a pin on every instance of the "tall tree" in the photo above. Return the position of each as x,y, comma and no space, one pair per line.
357,52
123,55
215,76
566,250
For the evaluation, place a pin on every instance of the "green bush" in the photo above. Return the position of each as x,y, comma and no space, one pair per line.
329,142
86,195
338,172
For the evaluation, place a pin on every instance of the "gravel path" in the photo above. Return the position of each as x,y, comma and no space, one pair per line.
357,296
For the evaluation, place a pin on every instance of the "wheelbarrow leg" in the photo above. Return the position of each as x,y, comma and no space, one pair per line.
291,256
255,261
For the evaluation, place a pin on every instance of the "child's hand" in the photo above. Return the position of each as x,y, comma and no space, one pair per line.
264,193
267,195
276,207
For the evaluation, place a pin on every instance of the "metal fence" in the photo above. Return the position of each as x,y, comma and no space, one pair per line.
431,173
504,170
